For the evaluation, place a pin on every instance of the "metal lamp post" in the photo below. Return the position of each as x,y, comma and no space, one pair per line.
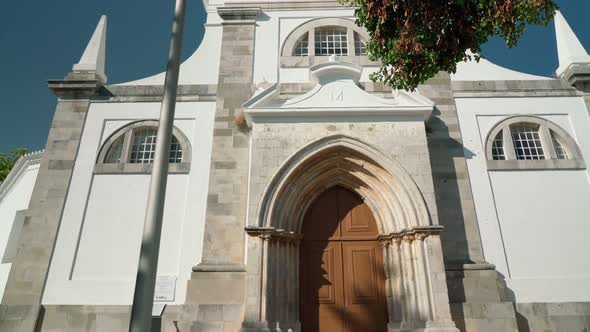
143,298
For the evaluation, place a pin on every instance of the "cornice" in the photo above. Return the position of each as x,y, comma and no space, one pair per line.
75,89
238,15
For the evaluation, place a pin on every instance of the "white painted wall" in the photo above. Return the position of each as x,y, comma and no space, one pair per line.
533,224
16,198
202,67
97,249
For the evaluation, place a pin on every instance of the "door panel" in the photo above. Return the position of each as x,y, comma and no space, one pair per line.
364,281
356,219
321,221
360,272
342,281
322,291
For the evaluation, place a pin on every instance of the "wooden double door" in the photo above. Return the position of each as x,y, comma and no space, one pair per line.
342,280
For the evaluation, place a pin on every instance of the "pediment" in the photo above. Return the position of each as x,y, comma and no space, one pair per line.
337,93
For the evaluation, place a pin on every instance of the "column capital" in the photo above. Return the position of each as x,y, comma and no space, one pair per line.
270,233
410,234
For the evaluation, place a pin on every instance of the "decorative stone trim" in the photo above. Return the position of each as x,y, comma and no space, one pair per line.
410,235
272,234
128,168
546,130
539,88
340,157
578,75
307,61
201,90
546,164
76,88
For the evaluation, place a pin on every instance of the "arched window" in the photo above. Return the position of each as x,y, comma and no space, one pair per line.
360,45
135,144
527,142
114,153
560,150
312,43
302,48
498,148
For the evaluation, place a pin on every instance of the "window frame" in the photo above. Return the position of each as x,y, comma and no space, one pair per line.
125,166
547,130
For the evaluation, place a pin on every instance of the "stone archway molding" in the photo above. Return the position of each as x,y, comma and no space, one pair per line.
364,169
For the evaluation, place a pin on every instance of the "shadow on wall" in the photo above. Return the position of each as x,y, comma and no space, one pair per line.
444,152
456,212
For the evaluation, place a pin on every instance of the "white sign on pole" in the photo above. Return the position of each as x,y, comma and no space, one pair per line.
165,289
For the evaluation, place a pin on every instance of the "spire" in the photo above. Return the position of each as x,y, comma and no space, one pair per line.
93,59
569,48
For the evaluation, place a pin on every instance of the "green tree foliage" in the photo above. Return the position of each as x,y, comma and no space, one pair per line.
415,39
7,161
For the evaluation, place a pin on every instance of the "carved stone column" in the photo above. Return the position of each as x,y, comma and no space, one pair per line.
275,304
417,293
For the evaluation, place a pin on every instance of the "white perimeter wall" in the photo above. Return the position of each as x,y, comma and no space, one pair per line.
97,251
16,199
534,224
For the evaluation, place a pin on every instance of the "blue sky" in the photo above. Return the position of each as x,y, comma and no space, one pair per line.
41,40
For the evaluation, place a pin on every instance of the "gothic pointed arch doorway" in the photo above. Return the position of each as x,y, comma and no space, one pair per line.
342,281
412,261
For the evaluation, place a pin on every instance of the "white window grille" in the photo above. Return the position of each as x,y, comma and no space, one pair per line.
302,46
360,47
143,147
175,151
114,154
331,41
560,150
498,148
527,143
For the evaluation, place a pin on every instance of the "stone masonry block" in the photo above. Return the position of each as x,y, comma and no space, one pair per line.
210,312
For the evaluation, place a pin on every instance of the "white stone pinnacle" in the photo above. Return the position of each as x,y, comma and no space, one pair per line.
569,48
93,59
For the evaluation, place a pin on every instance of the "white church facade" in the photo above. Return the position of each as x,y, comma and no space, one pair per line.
304,197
